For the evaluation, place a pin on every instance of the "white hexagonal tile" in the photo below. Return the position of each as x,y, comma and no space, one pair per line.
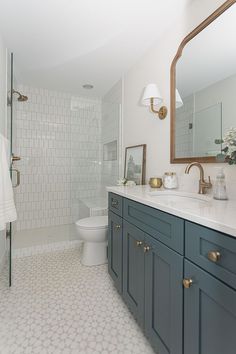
56,305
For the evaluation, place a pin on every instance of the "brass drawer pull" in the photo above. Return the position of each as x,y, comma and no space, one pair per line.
214,256
187,283
139,243
114,203
117,227
146,249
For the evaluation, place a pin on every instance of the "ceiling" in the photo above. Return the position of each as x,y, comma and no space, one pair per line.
63,44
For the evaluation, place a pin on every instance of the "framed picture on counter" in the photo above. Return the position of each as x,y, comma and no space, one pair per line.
135,163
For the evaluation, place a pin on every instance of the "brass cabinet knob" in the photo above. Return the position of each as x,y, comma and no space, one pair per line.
139,243
213,256
187,283
118,227
114,203
146,249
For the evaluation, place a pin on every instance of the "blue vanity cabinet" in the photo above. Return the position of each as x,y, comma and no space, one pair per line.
133,270
115,203
115,252
164,227
152,288
211,250
163,297
148,270
209,314
178,278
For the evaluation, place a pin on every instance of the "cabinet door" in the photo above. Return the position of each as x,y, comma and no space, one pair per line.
209,314
133,270
163,297
115,243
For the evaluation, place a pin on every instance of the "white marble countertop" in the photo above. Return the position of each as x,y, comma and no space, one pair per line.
215,214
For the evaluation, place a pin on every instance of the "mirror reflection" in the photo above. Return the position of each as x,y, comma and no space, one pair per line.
206,83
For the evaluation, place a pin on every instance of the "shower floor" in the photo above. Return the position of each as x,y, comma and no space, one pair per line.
44,236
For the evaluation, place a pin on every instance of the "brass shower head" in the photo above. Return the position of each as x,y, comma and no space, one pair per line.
21,98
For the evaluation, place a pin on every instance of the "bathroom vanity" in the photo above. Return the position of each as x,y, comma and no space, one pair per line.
174,264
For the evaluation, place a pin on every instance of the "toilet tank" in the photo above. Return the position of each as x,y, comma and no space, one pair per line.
92,207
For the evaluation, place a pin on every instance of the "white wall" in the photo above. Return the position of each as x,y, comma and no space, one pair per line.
140,126
3,69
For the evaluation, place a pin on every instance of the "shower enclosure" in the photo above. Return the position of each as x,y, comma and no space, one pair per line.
70,150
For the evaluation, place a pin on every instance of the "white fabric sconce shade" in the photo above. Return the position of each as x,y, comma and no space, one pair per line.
178,100
151,91
152,97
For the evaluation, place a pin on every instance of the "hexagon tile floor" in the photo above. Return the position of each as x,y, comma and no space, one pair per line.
58,306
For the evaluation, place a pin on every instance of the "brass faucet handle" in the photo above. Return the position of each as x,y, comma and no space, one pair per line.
208,184
209,181
15,158
205,184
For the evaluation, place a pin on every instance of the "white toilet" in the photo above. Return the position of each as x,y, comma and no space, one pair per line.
93,231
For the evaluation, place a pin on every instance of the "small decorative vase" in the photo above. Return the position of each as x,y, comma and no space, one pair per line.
155,182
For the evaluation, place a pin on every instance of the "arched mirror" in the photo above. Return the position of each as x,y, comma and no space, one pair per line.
203,88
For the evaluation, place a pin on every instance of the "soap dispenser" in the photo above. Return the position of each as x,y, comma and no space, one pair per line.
219,191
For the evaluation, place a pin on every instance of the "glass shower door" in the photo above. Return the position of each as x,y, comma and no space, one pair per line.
15,174
10,137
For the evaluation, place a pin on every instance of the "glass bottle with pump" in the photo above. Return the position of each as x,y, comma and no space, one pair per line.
219,191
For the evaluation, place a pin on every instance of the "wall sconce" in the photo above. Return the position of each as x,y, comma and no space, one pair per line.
178,100
152,98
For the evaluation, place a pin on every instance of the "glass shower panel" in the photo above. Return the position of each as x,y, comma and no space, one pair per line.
95,158
12,97
10,137
85,154
110,140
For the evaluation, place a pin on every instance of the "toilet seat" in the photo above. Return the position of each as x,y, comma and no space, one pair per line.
93,222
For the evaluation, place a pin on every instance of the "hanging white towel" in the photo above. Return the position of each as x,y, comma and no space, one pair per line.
7,205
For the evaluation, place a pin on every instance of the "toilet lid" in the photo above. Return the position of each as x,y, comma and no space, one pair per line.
93,222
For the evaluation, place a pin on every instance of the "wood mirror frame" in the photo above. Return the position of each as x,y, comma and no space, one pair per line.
173,159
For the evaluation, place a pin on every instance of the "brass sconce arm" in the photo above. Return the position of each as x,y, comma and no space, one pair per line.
162,112
152,97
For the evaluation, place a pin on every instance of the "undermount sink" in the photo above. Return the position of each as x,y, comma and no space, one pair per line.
172,196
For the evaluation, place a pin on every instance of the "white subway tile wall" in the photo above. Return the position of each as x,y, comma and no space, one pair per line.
59,140
184,132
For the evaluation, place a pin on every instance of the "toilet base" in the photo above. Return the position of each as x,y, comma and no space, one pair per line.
94,253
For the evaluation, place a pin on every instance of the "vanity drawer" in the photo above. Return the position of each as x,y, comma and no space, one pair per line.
213,251
162,226
115,203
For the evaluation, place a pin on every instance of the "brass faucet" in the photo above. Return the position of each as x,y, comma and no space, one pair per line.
203,185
